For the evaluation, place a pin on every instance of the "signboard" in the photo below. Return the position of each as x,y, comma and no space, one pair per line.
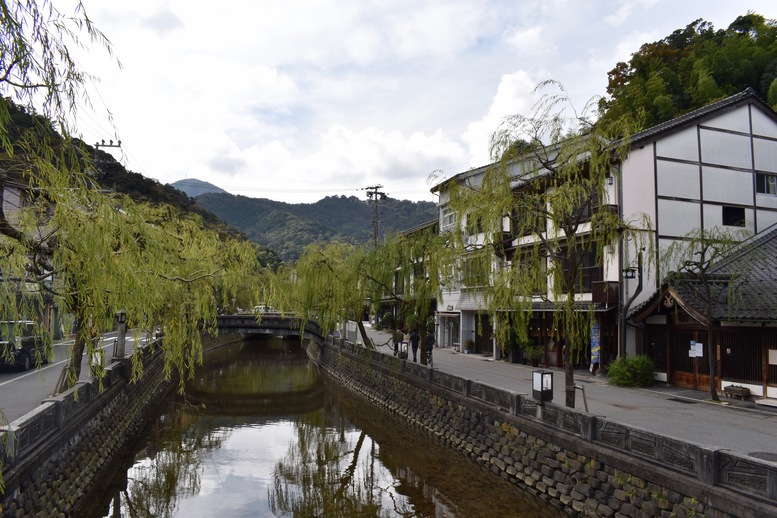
596,335
696,350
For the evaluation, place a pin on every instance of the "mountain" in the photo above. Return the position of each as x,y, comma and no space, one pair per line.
287,228
194,187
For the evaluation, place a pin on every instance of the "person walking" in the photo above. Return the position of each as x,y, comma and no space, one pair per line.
398,336
415,338
429,344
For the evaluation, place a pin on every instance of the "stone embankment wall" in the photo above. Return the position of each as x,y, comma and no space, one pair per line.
583,464
54,454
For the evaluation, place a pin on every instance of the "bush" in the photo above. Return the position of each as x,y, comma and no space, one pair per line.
631,372
388,320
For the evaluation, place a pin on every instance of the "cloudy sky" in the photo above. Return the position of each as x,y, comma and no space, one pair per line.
300,99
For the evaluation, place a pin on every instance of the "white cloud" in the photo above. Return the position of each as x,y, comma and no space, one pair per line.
297,100
530,40
514,95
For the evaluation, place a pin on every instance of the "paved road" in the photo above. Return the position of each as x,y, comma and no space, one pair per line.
681,413
21,392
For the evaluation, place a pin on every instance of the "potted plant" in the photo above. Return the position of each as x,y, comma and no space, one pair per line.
469,346
533,353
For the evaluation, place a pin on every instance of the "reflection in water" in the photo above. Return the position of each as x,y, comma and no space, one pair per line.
259,434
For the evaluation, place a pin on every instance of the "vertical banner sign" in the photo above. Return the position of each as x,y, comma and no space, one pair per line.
595,341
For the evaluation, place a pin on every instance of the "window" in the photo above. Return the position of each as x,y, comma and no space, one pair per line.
448,218
766,184
533,260
474,273
474,225
588,271
529,222
399,284
733,216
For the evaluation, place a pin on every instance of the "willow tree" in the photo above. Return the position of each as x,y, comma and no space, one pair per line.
705,268
91,255
539,211
64,242
333,283
409,270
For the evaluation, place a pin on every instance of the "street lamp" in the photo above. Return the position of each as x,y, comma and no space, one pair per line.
542,385
121,318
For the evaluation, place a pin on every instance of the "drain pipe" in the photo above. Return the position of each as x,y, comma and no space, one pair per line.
627,305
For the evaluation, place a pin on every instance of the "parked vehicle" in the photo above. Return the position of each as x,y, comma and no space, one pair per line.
21,344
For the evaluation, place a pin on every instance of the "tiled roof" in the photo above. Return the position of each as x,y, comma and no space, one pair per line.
420,226
579,306
699,114
744,283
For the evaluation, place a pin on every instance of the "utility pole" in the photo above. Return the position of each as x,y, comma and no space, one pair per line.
97,146
375,195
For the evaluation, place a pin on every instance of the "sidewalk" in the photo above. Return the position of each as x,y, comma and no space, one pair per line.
739,426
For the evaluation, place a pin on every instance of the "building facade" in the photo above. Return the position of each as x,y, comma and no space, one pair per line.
713,167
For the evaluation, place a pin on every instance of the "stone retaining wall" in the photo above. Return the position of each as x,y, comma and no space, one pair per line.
56,452
583,464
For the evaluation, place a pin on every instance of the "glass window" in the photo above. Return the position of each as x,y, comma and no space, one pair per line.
588,271
733,216
766,184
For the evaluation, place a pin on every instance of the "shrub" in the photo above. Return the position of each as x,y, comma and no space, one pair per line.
636,371
388,320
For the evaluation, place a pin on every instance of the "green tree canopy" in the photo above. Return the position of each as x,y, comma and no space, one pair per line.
694,66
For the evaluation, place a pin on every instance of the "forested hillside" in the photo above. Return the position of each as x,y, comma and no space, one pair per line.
693,67
111,175
287,228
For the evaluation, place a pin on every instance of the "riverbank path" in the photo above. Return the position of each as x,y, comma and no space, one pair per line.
739,426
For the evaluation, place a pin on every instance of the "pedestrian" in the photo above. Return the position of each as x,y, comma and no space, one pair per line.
397,337
429,344
414,339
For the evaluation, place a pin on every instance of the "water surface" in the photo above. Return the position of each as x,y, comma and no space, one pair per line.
260,433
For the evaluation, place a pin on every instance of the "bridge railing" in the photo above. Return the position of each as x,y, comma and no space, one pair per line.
270,324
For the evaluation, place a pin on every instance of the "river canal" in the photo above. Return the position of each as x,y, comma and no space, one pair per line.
261,434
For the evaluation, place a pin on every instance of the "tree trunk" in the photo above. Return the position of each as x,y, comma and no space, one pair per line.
712,361
365,339
72,370
569,380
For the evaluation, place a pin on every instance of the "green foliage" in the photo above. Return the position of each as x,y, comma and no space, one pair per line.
70,246
533,352
771,95
692,67
289,228
331,283
636,371
551,193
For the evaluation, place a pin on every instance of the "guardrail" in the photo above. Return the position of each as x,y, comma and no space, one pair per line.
747,476
23,436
